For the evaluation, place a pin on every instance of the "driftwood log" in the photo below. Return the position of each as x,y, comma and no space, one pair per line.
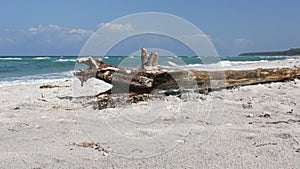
150,77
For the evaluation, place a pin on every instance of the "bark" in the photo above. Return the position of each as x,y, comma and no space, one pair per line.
143,81
150,77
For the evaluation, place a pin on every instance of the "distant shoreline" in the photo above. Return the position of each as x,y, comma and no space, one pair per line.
290,52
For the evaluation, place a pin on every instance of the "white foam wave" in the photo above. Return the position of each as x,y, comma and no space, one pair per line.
10,58
65,60
235,63
292,59
37,79
41,58
224,64
172,64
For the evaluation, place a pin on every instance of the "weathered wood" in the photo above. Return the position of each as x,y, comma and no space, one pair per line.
148,79
149,62
93,67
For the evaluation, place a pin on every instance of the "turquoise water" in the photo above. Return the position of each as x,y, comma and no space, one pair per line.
34,69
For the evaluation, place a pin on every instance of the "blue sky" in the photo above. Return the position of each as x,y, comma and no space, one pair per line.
61,27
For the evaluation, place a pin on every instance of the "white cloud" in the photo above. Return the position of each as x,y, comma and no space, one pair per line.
46,28
196,36
6,40
243,41
32,29
81,31
51,33
116,26
199,35
46,38
78,34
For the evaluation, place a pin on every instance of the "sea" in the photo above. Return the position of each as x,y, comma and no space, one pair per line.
15,70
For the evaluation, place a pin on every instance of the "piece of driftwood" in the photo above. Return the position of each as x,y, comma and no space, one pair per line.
95,146
150,77
282,121
149,62
48,86
264,144
93,67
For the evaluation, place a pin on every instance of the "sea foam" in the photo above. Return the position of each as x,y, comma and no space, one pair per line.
65,60
10,58
37,79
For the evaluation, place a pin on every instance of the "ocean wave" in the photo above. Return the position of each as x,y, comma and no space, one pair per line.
10,58
225,63
236,63
65,60
41,58
37,79
172,64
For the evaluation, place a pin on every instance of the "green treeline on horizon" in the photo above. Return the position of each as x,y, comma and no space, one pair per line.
291,52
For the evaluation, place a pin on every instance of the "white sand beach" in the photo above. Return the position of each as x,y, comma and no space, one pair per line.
254,126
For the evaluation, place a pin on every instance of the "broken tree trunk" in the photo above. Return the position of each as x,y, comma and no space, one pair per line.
150,77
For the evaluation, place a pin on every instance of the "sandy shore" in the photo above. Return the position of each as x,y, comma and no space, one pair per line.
248,127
